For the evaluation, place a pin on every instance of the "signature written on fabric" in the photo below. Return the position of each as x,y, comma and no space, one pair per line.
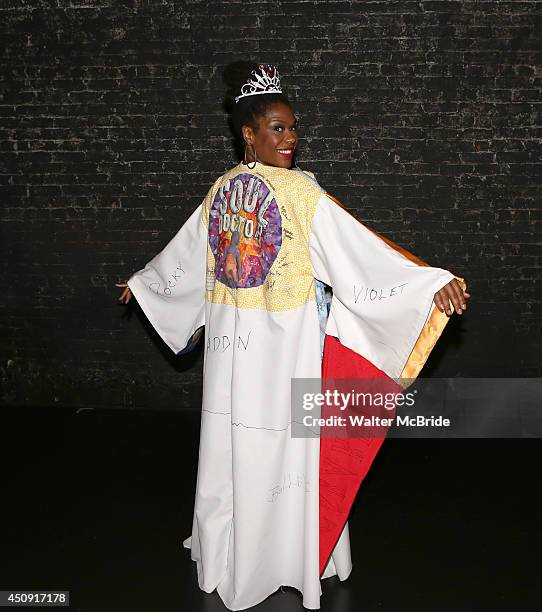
222,343
289,481
276,271
171,281
373,294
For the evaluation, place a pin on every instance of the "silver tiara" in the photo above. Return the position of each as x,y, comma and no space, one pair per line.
265,82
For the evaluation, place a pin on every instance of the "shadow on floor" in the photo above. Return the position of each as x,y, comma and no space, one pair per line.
99,502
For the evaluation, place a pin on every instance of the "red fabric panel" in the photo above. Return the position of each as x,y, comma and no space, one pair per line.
344,462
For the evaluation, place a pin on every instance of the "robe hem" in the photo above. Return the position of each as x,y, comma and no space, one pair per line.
264,597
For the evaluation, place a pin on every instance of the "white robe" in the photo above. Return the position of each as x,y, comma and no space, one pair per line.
256,521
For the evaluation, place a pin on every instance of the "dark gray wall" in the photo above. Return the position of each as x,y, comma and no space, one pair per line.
420,116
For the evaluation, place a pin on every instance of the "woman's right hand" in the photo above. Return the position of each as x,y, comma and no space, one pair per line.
126,295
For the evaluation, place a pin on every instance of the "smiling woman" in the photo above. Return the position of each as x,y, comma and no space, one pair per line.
271,508
274,140
266,124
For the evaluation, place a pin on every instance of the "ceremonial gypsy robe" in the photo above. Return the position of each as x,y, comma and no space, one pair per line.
270,509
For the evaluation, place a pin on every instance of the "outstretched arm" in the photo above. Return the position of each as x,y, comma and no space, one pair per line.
388,306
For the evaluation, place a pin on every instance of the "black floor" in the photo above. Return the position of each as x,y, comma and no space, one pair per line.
98,503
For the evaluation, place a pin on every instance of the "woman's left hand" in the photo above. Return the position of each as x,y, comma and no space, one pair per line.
452,292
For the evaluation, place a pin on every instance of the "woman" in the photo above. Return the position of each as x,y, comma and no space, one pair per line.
245,265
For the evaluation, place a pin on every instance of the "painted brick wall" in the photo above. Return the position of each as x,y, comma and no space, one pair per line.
423,117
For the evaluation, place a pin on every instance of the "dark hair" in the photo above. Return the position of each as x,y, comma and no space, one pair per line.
249,108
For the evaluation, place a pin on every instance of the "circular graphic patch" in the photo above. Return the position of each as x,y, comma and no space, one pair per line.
245,231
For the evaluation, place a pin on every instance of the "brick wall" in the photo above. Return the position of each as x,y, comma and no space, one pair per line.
421,116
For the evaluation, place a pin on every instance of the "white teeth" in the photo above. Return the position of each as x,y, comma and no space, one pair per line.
284,150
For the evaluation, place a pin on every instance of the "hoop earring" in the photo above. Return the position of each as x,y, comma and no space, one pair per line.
245,157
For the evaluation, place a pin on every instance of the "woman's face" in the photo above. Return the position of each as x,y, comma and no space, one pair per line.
276,137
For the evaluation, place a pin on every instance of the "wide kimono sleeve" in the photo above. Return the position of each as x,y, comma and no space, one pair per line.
382,306
170,289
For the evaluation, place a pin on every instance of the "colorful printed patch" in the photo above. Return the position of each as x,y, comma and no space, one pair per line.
245,231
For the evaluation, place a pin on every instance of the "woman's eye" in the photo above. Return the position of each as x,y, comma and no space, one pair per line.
277,127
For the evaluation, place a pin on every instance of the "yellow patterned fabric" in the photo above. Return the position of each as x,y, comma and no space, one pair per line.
289,282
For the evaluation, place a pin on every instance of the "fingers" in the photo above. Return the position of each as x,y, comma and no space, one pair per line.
460,301
453,294
456,296
442,302
126,295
